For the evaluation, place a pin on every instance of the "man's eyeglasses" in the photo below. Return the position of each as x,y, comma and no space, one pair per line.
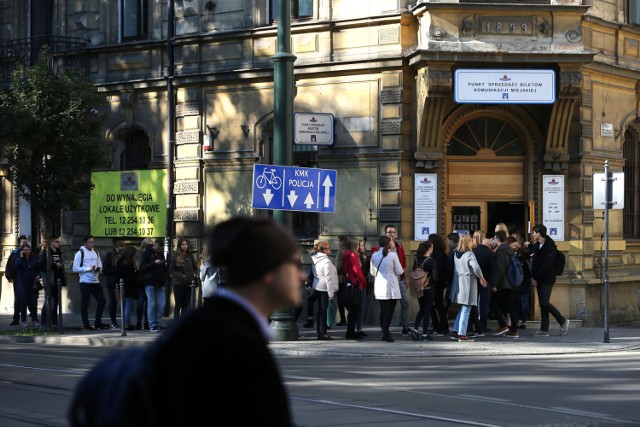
392,232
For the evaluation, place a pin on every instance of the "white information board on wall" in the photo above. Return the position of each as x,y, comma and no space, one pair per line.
553,206
425,210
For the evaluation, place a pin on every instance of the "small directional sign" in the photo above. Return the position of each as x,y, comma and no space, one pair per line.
292,188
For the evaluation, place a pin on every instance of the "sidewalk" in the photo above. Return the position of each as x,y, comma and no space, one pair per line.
578,340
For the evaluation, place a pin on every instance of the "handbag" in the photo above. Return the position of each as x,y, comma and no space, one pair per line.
37,285
329,315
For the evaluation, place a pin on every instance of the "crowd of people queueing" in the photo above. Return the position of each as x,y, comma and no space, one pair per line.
469,272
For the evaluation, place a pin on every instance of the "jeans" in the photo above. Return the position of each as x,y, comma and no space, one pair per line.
462,319
128,308
404,305
387,306
26,297
484,300
322,298
113,304
544,297
54,307
426,305
155,304
363,306
86,291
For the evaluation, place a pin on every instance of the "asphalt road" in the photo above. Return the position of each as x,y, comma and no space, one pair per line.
37,381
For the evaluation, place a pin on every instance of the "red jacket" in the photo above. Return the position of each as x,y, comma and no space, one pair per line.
401,255
351,269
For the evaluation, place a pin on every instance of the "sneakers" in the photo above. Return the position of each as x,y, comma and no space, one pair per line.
426,337
405,331
154,329
513,334
565,327
414,334
87,328
36,324
522,326
462,338
325,338
541,333
477,334
115,326
500,332
454,336
24,324
102,326
362,333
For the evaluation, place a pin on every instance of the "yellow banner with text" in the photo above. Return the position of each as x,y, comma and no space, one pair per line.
129,204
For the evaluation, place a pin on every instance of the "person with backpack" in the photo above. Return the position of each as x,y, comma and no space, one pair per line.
9,274
503,300
543,277
426,290
88,265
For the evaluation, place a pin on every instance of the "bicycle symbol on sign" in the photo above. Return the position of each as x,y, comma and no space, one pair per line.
269,177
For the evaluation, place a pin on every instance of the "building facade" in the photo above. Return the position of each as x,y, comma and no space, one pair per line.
390,74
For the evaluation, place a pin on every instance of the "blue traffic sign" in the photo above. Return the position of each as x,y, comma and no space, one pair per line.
292,188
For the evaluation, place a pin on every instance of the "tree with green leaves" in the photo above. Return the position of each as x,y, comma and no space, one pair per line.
51,138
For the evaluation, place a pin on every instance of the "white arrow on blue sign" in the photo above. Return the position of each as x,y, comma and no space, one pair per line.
292,188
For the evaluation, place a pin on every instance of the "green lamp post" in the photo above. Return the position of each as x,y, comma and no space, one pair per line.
283,322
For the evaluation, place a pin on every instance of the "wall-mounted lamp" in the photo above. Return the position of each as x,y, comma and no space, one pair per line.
213,134
245,129
4,170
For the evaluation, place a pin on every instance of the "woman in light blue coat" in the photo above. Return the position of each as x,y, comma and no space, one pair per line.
465,289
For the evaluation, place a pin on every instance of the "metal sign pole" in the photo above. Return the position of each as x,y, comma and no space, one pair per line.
59,283
607,204
123,330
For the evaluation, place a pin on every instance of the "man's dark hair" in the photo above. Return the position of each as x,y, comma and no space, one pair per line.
23,237
454,237
54,237
386,227
541,229
159,242
501,236
342,238
85,238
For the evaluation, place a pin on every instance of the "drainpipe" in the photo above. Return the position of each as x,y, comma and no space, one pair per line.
170,144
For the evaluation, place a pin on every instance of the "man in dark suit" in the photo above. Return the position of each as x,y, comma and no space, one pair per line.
216,358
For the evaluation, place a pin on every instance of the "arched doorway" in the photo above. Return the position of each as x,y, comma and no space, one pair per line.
487,171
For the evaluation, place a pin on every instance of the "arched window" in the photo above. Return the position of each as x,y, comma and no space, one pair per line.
631,212
137,153
486,135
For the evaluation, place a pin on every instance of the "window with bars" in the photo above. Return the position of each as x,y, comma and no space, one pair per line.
631,212
137,153
134,19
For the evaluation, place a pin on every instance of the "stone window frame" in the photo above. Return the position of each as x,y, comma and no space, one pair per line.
142,19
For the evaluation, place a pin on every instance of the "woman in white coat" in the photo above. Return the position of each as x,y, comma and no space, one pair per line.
465,289
386,268
325,283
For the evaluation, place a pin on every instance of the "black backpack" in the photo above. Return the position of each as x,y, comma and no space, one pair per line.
8,272
560,263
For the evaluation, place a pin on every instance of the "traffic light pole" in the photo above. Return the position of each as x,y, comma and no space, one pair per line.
283,323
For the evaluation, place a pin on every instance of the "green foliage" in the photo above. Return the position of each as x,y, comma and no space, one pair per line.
51,139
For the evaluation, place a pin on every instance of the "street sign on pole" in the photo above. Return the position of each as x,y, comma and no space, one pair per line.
292,188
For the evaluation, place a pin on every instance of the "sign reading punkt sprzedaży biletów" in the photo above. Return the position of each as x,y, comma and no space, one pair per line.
129,204
504,86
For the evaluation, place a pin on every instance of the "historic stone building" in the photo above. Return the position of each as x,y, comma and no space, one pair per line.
421,138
